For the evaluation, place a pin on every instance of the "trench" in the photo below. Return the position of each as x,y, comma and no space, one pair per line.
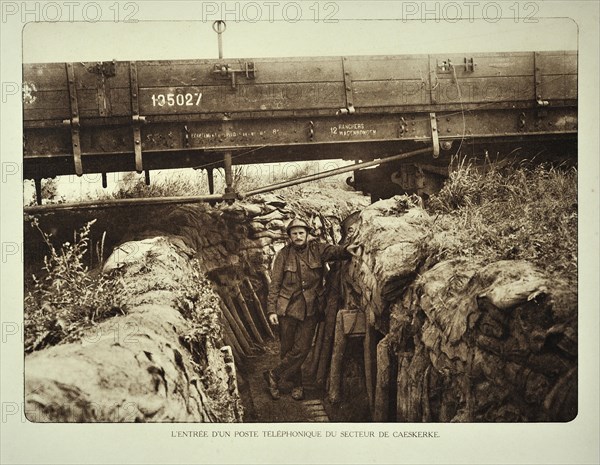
386,350
235,245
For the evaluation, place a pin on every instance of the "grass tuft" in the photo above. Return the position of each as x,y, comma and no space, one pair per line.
512,212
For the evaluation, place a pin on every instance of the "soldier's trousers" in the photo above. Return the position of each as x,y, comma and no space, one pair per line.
296,339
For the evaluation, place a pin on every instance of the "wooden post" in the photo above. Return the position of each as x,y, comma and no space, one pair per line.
412,372
315,353
232,341
337,358
401,389
370,347
234,313
260,310
239,332
382,388
425,396
327,346
246,312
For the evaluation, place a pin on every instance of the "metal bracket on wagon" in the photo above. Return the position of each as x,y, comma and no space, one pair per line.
435,138
224,70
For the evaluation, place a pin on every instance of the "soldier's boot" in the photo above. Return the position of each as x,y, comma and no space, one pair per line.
272,384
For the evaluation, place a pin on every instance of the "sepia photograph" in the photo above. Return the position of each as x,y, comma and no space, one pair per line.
289,232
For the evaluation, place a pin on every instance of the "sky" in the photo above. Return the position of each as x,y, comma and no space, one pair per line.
160,40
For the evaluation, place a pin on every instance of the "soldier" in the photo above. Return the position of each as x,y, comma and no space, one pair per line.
295,300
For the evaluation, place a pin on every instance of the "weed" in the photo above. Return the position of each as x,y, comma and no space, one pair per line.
133,186
514,212
184,183
68,298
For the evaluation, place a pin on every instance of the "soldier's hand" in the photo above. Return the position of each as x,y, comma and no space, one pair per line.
273,319
354,249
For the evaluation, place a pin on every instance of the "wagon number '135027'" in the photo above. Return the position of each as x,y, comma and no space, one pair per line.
188,99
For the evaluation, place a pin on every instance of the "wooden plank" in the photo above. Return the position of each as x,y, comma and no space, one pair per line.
52,76
47,141
317,70
381,409
45,76
59,99
488,65
337,361
559,87
417,67
58,140
55,104
56,99
390,93
238,298
473,90
502,122
86,76
120,101
168,74
479,90
370,362
258,97
107,139
388,68
557,62
46,114
312,361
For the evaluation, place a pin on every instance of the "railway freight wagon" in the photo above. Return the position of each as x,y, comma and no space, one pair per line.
122,116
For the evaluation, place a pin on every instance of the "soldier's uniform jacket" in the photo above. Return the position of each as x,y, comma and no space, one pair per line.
297,278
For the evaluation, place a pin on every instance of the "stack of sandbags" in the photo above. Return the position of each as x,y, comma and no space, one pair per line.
467,340
391,236
486,343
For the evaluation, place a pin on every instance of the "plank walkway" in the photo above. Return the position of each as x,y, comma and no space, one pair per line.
260,408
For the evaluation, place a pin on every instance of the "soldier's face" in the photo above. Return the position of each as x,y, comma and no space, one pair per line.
298,236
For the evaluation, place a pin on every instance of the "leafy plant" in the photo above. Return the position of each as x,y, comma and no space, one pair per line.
68,298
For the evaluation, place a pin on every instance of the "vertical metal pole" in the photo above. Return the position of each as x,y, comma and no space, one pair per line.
74,121
228,173
220,36
38,191
211,180
147,177
136,119
104,181
219,28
